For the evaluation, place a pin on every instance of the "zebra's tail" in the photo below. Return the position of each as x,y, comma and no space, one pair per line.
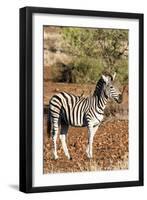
49,124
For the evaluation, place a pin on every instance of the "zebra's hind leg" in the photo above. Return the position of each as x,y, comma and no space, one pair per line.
63,135
54,133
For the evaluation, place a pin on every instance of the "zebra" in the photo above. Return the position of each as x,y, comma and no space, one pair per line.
66,109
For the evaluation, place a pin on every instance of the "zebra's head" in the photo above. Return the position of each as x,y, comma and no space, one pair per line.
110,90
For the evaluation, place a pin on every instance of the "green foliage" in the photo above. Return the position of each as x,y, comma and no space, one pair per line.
85,70
93,51
79,42
81,70
113,44
122,71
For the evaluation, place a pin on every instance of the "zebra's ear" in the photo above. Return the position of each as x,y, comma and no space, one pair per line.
105,78
114,75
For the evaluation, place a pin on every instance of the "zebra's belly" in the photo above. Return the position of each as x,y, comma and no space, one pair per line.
78,123
73,124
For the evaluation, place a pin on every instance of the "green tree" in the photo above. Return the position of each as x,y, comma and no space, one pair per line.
106,49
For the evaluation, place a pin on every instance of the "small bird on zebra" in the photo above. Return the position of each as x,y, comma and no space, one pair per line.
66,109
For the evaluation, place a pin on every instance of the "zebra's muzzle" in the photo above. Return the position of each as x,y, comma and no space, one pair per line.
119,99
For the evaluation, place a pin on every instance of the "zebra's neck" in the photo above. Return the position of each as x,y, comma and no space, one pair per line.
99,94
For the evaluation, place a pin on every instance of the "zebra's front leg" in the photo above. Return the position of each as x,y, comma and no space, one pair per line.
63,135
91,132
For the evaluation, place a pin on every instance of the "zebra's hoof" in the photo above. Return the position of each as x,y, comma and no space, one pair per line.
89,157
69,157
55,157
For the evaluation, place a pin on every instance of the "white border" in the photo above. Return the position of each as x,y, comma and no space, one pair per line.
39,179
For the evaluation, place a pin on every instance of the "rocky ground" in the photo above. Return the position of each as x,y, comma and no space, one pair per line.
110,149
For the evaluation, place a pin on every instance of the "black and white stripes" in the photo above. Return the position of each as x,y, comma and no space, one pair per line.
70,110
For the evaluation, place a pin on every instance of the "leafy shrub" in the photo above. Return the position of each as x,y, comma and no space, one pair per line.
92,51
80,70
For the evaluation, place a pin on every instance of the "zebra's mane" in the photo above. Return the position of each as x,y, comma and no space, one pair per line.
99,88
